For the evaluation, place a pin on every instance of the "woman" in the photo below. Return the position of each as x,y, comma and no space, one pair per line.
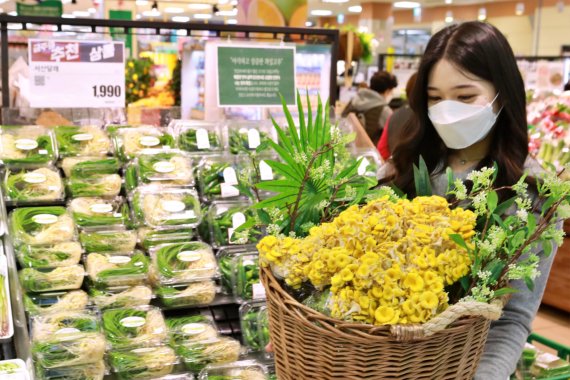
469,106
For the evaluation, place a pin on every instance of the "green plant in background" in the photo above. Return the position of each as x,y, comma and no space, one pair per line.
175,84
139,79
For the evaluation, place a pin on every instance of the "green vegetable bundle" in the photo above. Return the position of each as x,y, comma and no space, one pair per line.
26,146
197,293
99,212
166,168
65,323
247,275
139,295
131,177
41,225
50,303
226,262
188,141
43,184
239,140
43,280
106,185
194,328
224,232
5,310
8,367
82,141
143,363
108,241
49,256
114,270
197,355
131,141
64,352
150,237
167,207
252,332
91,371
184,262
214,185
88,167
134,327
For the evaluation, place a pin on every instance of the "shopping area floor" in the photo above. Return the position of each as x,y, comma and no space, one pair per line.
554,324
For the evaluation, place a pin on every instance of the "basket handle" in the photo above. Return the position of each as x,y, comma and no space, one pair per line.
491,311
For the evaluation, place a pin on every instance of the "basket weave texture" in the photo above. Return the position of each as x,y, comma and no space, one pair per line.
311,346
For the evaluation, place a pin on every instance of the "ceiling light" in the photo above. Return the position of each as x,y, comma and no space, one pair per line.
138,17
174,10
406,4
229,13
335,1
202,16
199,7
152,13
223,2
180,18
308,23
231,21
81,14
92,10
355,9
519,9
321,12
141,3
448,1
449,17
482,16
67,15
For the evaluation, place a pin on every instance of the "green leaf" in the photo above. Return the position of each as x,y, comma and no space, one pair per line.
547,247
548,204
492,201
282,137
531,224
504,206
499,221
495,267
465,281
278,185
518,239
458,239
285,170
422,179
310,125
529,283
293,133
302,125
264,217
504,291
277,201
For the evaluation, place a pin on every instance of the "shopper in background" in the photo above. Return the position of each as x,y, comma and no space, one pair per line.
395,123
371,104
567,86
469,107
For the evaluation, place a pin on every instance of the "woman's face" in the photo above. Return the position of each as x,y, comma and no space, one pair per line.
447,82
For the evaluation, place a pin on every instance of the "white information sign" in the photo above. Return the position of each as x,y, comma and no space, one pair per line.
76,74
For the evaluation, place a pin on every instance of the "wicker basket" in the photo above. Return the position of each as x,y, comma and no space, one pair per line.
311,346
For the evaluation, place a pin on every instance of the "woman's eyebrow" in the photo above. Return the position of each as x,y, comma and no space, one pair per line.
458,87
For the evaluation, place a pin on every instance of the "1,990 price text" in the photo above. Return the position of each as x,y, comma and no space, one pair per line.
106,91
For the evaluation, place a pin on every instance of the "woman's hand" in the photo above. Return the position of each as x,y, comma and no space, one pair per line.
269,347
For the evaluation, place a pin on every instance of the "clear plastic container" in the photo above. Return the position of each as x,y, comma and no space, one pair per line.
91,371
41,225
25,186
165,168
247,284
6,321
132,141
143,363
50,279
149,237
14,369
113,298
89,167
65,324
242,370
96,212
183,262
108,270
227,262
166,207
49,256
221,177
27,146
112,240
69,350
193,328
197,355
87,140
55,302
371,161
249,317
224,218
263,330
141,326
131,177
105,185
245,136
198,136
197,293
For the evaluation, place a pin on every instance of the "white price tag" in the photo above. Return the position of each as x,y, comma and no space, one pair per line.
265,171
258,291
253,139
230,176
82,74
237,220
229,191
202,139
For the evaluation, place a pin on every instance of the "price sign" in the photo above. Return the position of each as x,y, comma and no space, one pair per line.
76,74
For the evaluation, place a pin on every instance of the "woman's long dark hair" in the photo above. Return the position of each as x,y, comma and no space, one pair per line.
482,50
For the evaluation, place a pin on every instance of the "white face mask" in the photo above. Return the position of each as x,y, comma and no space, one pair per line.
461,125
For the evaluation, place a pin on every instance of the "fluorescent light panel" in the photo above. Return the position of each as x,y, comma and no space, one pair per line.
321,12
173,10
199,6
355,9
180,18
406,4
202,16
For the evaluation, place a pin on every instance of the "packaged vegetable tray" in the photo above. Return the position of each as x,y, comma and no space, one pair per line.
197,136
132,141
241,370
24,186
141,326
165,168
221,177
69,350
197,355
92,176
196,293
143,363
50,279
166,207
247,285
50,255
254,325
89,166
96,212
91,371
115,269
65,324
183,262
110,241
6,322
245,136
149,237
41,225
86,140
191,329
121,297
55,302
14,369
224,219
27,146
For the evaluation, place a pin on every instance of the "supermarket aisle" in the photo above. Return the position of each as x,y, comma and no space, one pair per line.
553,324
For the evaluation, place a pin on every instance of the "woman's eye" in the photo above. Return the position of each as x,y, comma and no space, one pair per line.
466,98
434,98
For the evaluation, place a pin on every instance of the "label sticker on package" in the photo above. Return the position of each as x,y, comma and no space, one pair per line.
66,331
149,141
193,328
202,139
119,259
164,167
34,177
237,220
189,256
172,206
26,144
253,139
258,291
265,171
82,137
230,176
229,190
101,208
133,321
44,219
